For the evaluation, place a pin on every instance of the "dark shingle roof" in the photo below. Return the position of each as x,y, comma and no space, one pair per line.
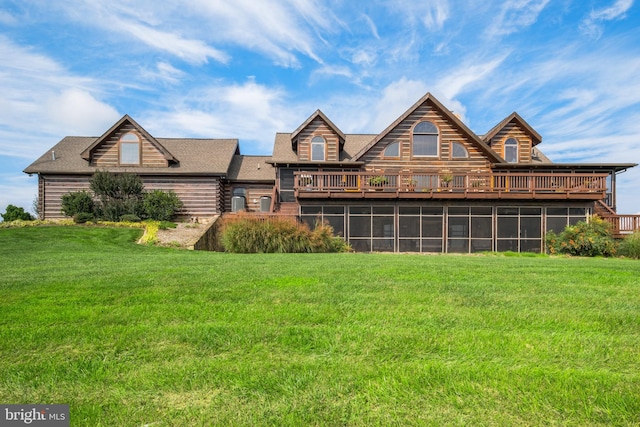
251,168
193,156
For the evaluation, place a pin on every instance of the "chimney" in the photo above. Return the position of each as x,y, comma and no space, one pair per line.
53,155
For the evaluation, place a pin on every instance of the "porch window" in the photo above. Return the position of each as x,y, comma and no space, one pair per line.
317,149
511,150
458,151
425,140
129,149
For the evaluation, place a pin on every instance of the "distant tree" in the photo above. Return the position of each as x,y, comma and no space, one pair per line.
16,213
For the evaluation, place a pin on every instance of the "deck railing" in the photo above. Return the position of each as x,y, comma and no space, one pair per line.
622,224
501,182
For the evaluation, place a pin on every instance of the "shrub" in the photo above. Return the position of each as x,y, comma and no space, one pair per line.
77,202
161,205
591,238
83,217
14,213
252,234
630,246
130,218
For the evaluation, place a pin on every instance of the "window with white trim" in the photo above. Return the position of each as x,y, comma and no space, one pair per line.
425,140
129,149
511,150
318,149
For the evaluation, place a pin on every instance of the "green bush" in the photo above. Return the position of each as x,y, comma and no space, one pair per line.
14,213
130,218
83,217
118,194
630,246
77,202
591,238
161,205
251,234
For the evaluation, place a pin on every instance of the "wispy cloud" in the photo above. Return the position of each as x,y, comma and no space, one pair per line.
41,95
217,110
515,15
190,50
592,24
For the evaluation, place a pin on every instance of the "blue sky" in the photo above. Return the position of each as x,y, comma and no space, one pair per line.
250,68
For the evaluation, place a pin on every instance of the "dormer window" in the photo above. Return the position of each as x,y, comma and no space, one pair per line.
318,147
511,150
129,149
425,140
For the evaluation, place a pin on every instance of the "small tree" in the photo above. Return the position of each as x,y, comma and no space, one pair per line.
161,205
15,213
118,194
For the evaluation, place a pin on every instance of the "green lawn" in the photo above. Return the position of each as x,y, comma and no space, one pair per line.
130,335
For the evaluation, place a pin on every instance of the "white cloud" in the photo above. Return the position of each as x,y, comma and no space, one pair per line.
79,113
192,51
514,16
396,98
469,72
251,112
591,25
42,96
163,72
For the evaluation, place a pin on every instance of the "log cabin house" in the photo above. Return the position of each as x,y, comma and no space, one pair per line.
427,183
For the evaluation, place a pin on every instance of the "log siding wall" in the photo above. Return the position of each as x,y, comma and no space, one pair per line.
200,195
512,130
402,133
253,194
108,153
318,127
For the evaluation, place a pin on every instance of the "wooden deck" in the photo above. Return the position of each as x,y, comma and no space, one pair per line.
622,225
511,185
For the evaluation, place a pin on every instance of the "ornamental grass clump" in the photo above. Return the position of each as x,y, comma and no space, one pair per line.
255,234
591,238
630,246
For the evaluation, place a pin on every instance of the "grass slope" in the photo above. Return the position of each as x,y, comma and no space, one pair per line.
134,335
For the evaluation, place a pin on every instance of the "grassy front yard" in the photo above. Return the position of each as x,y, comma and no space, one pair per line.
134,335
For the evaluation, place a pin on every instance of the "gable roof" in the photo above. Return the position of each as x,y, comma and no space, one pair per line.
283,152
322,116
197,157
86,154
514,117
444,111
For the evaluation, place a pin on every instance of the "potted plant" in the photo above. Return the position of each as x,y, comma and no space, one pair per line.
411,185
378,181
445,178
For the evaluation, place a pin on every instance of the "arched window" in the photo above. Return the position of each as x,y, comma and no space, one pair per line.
511,150
458,151
392,150
425,140
317,149
129,149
